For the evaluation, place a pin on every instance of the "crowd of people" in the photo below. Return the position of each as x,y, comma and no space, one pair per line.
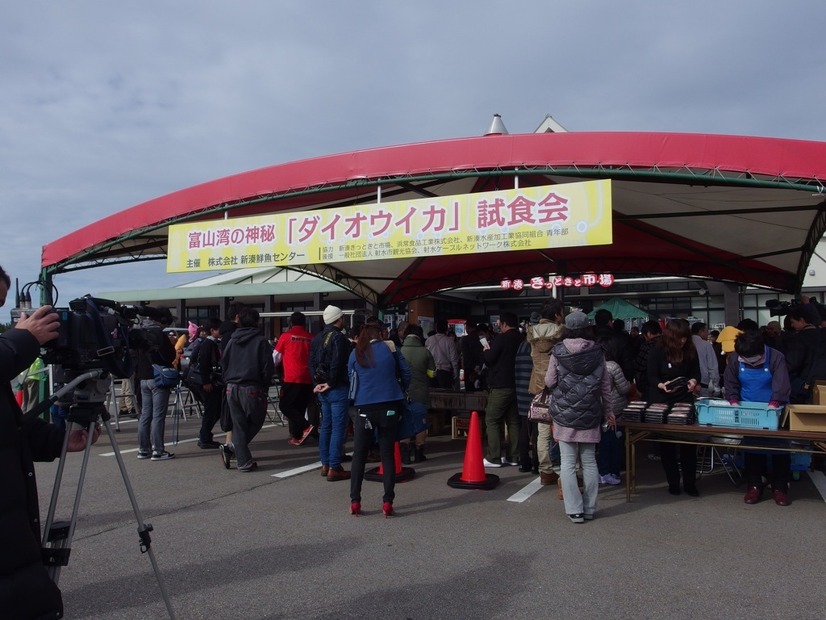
336,384
366,382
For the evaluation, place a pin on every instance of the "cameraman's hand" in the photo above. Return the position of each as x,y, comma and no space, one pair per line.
43,324
78,437
321,387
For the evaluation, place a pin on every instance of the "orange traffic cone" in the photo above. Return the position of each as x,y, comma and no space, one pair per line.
473,474
403,474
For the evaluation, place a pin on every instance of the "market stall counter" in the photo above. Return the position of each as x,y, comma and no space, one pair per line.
453,407
779,440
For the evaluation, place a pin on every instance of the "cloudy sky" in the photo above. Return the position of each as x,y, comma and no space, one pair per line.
105,105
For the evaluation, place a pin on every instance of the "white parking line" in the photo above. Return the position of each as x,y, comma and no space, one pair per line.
819,481
532,487
131,450
298,470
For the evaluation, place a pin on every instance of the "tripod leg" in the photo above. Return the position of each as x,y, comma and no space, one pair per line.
145,541
176,415
56,488
114,409
60,537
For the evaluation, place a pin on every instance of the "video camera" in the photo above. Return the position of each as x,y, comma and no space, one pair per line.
779,308
97,335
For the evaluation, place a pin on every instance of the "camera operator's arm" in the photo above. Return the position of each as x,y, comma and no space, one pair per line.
19,346
78,437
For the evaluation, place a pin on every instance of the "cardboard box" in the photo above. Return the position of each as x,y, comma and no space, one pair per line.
819,394
807,418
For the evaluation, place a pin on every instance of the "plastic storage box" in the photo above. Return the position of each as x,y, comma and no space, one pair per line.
715,412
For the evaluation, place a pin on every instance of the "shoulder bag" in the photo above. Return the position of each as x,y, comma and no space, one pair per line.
413,420
539,410
165,376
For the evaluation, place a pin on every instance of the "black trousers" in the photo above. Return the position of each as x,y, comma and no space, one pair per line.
295,397
527,439
212,410
367,421
687,462
757,467
444,379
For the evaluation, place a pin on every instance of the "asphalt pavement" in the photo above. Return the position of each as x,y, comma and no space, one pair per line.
280,542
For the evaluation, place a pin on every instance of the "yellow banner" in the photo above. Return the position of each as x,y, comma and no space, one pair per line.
553,216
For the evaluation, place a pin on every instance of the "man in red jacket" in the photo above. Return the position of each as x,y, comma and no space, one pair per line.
293,351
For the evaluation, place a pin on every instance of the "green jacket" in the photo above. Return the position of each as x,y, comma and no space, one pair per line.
421,363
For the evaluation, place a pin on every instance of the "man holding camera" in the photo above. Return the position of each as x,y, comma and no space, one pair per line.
25,588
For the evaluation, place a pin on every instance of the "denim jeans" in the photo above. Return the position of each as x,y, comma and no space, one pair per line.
334,420
576,502
154,405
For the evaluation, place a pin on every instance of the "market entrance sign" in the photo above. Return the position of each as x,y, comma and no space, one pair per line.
532,218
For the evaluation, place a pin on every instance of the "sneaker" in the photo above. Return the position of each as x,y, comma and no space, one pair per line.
487,463
306,433
589,516
208,445
226,454
507,463
293,441
577,518
612,479
603,479
248,467
162,456
143,455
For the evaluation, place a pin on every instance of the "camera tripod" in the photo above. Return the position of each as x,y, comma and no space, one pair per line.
180,405
57,536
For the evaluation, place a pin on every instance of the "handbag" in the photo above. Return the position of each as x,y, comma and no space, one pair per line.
225,419
165,376
540,410
413,420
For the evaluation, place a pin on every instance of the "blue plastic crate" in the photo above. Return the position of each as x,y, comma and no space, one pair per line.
716,412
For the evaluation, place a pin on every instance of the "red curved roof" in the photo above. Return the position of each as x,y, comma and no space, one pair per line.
770,175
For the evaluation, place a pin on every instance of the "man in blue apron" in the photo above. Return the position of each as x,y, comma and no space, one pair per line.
757,373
